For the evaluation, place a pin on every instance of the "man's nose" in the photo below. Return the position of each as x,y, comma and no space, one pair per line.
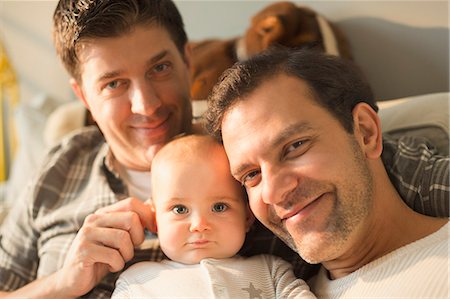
276,183
144,99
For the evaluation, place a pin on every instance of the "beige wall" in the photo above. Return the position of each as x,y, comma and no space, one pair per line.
25,29
403,46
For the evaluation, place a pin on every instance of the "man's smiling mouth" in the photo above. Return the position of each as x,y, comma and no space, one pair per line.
301,211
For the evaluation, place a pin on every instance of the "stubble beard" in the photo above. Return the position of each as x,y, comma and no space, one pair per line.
351,206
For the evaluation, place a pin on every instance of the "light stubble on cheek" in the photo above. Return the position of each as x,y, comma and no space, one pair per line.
350,208
267,216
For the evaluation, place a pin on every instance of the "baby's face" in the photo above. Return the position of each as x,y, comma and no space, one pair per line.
200,209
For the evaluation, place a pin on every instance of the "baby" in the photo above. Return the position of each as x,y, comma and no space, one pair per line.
202,217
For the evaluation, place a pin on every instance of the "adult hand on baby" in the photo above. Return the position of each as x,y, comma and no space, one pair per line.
104,244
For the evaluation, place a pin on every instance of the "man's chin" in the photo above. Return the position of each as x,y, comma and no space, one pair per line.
152,151
309,257
316,249
307,248
284,236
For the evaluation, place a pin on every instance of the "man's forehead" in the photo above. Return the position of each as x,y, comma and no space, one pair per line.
141,40
239,137
268,118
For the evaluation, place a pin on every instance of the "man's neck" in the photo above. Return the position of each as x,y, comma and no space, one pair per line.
137,182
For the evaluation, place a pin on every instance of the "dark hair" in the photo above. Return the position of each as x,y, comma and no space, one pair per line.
75,20
335,83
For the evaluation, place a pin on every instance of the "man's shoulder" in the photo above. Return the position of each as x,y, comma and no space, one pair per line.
83,138
72,159
419,173
85,141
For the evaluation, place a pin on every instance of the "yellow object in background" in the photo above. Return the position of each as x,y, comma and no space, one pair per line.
9,98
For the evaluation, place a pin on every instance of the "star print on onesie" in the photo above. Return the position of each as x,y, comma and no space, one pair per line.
253,292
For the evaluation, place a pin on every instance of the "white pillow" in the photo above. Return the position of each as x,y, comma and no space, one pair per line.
416,111
425,116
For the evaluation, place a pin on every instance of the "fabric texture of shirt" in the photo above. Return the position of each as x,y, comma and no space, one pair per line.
419,174
77,179
417,270
259,276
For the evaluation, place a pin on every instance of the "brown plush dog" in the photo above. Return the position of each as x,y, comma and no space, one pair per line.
209,59
281,23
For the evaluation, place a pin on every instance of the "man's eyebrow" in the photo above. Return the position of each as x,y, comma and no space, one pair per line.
286,133
241,168
108,75
115,73
157,57
279,140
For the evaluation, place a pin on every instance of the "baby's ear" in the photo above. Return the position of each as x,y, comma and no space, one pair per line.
250,219
154,228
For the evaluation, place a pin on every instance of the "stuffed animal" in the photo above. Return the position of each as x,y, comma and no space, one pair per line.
209,59
281,23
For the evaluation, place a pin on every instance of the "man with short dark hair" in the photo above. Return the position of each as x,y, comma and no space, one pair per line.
128,60
302,135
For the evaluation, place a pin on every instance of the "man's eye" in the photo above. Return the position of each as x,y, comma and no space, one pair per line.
159,71
219,207
296,149
180,209
112,84
294,146
160,68
115,85
251,178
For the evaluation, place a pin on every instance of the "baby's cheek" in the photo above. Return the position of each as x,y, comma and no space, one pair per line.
169,244
164,236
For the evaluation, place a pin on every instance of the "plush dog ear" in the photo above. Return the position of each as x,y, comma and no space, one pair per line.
290,25
271,30
272,25
209,58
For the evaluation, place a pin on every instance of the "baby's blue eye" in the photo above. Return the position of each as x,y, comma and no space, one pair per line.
219,207
180,209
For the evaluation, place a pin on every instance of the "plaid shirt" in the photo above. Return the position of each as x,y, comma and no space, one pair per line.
75,181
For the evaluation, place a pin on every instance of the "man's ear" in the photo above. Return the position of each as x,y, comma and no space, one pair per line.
188,56
79,92
367,130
